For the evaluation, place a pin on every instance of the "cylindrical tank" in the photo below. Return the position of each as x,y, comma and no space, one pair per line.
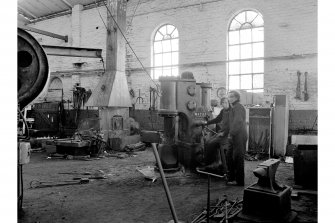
168,98
206,95
32,68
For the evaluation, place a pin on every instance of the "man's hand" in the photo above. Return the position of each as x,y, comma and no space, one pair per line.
221,134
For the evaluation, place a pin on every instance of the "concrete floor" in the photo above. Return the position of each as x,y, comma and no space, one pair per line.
125,196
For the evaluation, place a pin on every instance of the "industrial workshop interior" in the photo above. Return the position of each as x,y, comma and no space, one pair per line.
167,111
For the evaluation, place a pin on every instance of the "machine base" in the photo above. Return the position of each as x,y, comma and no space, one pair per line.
262,205
289,217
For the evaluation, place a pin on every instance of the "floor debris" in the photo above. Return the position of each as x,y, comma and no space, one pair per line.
148,172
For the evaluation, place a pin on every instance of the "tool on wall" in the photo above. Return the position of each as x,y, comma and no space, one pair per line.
139,98
153,98
298,90
305,88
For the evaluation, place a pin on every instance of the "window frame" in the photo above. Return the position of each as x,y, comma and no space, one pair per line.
246,25
172,67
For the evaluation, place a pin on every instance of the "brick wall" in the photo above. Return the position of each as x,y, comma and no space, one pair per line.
290,42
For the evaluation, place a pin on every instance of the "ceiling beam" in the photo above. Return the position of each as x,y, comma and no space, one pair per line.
72,51
46,33
28,12
67,3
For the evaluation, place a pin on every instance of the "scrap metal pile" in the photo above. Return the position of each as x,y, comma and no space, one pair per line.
222,211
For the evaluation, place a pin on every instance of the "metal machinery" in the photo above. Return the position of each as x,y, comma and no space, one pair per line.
33,73
183,103
266,200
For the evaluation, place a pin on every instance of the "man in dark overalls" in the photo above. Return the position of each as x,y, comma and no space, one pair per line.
218,144
238,138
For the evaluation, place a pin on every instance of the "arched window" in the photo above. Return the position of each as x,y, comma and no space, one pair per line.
165,56
246,52
55,90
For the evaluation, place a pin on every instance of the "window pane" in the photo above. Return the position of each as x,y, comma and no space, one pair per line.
234,82
163,30
175,58
258,34
258,81
234,25
251,15
158,60
157,73
170,29
256,91
234,52
166,45
258,21
234,67
234,37
246,82
167,71
175,34
241,17
246,67
166,59
258,50
175,44
158,36
258,66
245,35
174,71
158,47
245,51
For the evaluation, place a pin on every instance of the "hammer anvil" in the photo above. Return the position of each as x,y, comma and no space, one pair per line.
266,201
266,173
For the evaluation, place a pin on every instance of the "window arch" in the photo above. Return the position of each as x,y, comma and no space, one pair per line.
245,67
165,56
55,90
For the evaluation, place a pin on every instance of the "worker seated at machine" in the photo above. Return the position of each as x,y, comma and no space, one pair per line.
217,145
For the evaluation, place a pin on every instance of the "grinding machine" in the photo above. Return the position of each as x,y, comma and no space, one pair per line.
183,103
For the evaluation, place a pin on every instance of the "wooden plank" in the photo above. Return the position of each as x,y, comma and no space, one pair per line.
280,124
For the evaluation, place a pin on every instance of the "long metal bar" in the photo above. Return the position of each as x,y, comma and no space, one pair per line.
46,33
72,51
166,188
208,196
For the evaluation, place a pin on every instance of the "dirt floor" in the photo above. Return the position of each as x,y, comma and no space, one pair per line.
125,196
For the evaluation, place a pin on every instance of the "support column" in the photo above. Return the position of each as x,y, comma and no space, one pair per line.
76,25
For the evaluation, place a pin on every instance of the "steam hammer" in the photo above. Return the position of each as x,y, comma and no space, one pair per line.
267,201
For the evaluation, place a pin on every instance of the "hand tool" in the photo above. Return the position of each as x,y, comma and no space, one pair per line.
298,90
40,184
139,98
305,88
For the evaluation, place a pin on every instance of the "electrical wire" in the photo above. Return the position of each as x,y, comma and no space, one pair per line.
96,7
131,47
131,21
24,121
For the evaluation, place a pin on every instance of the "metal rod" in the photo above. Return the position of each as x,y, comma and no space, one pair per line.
46,33
166,188
211,130
208,196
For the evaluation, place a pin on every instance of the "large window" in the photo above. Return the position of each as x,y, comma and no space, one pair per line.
245,66
165,57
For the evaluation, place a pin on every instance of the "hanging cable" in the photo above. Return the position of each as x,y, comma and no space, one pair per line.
24,121
131,20
96,7
130,47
